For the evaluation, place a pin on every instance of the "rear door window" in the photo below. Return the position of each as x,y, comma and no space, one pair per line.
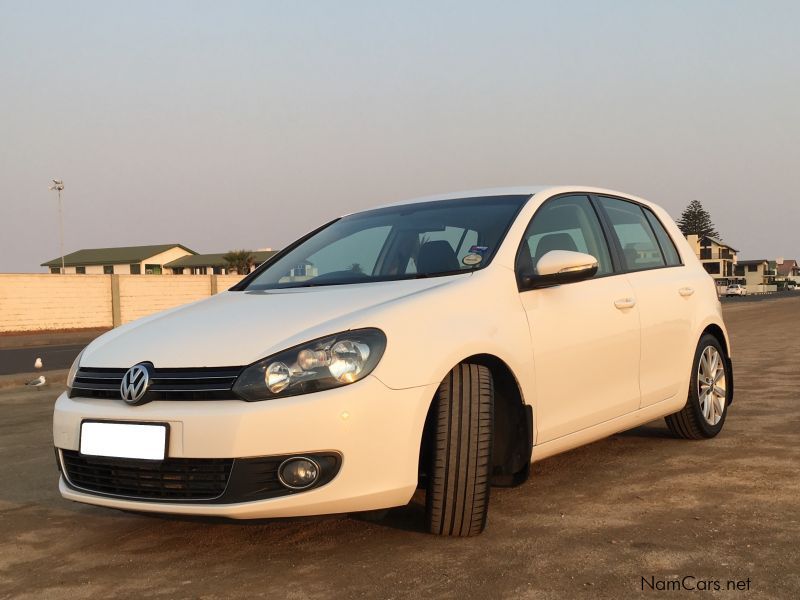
640,248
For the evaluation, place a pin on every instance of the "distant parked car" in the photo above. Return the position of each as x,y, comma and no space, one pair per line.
736,290
443,344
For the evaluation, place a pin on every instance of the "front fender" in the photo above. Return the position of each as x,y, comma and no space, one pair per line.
427,336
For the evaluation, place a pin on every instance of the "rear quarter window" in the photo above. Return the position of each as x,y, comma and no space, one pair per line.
664,240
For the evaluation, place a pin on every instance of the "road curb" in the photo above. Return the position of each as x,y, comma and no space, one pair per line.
36,339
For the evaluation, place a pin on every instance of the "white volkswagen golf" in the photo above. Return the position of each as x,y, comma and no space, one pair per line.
444,343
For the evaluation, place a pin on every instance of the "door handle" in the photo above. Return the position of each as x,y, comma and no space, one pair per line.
624,303
686,291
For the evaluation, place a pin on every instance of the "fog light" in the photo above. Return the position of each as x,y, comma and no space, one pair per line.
298,473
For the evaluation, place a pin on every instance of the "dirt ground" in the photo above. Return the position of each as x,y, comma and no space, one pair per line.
589,523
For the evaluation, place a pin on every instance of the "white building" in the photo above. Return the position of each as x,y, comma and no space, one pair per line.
129,260
718,258
208,264
757,275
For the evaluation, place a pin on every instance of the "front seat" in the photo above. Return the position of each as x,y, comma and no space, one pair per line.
553,241
437,257
631,255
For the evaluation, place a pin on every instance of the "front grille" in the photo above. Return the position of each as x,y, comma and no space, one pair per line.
169,479
214,383
202,480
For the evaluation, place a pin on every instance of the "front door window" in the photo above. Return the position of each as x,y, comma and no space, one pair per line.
566,223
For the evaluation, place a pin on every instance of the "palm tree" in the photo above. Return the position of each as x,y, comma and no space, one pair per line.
239,261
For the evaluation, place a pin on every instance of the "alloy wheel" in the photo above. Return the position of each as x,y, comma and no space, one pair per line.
711,385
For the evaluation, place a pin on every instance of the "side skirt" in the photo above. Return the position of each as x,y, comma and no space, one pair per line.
607,428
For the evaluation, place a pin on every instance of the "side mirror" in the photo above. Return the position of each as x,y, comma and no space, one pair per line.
557,267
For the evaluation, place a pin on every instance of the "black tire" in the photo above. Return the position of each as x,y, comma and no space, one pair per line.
457,494
689,423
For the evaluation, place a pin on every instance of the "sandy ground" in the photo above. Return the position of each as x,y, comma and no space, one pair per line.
589,523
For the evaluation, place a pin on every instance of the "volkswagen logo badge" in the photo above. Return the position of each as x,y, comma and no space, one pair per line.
135,383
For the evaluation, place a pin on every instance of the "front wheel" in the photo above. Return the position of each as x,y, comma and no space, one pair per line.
709,395
457,495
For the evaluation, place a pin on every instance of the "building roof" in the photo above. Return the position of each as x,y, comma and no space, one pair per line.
785,269
744,263
215,260
718,242
113,256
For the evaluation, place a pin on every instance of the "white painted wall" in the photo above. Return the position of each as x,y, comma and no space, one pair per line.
45,302
141,295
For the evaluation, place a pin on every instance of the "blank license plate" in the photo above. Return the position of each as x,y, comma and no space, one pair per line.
124,440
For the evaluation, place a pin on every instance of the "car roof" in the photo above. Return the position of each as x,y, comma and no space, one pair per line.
523,190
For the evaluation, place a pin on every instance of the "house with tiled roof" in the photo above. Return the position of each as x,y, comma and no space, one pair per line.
787,268
787,271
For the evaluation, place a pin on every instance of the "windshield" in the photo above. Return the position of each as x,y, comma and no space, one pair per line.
426,239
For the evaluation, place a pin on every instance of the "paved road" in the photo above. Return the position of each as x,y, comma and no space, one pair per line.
760,297
20,360
589,523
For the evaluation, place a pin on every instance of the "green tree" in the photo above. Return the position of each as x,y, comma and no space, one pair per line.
696,219
239,261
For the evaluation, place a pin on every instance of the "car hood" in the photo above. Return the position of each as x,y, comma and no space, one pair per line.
238,328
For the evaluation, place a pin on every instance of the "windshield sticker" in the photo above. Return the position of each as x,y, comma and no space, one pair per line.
472,259
479,249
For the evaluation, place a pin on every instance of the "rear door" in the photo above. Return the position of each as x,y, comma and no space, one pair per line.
585,335
664,289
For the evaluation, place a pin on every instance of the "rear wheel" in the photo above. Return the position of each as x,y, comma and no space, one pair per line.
457,494
707,405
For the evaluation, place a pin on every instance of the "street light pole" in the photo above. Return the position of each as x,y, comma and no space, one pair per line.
58,185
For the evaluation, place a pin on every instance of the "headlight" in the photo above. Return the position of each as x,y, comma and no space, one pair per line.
73,370
318,365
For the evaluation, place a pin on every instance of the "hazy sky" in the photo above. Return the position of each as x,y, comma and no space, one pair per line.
246,124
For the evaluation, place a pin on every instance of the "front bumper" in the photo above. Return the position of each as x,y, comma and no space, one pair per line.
375,429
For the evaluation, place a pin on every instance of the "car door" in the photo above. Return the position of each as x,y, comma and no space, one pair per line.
664,290
585,335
